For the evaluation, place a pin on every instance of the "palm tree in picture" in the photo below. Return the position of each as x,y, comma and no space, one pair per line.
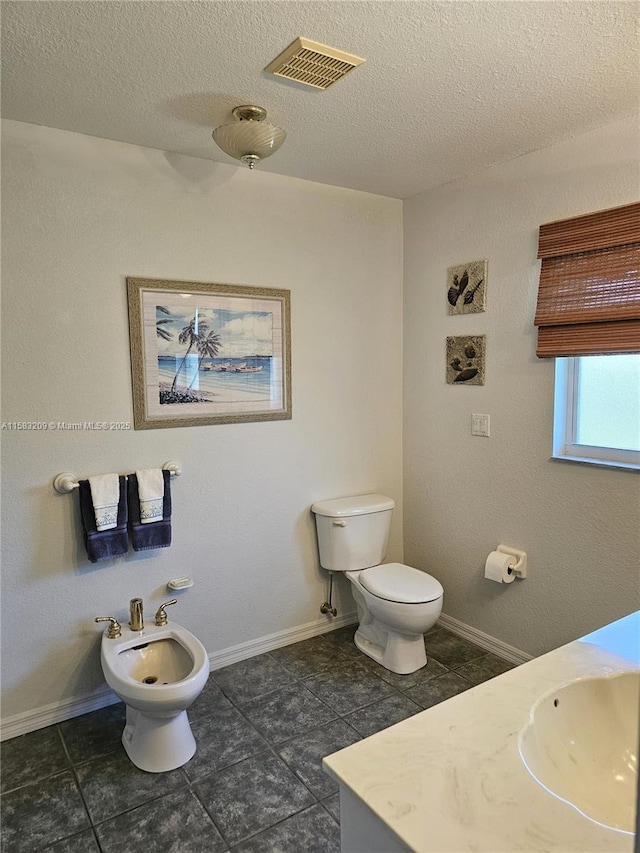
161,332
192,333
208,345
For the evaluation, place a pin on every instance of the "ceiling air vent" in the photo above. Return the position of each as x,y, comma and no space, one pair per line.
314,64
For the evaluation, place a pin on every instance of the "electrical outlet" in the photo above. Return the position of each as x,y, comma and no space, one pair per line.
480,425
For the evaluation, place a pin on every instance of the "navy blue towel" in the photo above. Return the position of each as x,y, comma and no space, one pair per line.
156,534
103,544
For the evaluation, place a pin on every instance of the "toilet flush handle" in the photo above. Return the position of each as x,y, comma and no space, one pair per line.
161,616
114,628
339,522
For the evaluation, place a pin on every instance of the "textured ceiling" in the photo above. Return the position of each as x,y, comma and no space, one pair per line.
448,88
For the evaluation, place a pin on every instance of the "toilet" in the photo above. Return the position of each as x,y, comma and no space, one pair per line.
396,603
158,673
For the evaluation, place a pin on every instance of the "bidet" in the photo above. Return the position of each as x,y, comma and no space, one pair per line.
158,672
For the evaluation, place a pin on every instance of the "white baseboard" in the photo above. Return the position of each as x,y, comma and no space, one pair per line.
485,641
281,638
58,712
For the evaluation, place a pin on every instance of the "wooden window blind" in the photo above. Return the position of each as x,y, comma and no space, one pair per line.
589,294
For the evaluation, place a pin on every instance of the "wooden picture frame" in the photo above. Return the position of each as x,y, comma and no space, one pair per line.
206,353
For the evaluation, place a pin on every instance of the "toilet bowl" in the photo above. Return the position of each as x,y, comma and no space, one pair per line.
396,604
158,673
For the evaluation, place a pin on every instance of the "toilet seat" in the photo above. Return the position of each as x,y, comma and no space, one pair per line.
400,583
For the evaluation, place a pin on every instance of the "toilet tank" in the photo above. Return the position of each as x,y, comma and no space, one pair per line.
353,533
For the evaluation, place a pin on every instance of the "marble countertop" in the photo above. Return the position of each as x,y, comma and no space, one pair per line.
451,779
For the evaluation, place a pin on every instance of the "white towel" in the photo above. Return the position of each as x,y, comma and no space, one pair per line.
105,495
151,494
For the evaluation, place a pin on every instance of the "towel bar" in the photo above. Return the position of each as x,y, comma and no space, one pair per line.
65,483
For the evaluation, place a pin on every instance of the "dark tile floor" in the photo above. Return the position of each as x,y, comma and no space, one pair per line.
255,785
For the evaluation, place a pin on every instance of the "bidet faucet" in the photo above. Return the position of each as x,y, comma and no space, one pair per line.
114,628
161,616
135,614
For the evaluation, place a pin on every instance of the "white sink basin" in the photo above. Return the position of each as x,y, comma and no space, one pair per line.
581,744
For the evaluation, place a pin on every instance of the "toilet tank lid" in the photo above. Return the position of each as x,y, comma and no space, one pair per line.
357,505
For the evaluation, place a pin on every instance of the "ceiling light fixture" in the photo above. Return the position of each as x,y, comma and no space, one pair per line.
250,139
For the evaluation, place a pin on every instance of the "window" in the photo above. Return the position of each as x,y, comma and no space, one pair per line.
597,410
588,319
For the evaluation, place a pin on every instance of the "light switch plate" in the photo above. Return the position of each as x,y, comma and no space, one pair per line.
480,425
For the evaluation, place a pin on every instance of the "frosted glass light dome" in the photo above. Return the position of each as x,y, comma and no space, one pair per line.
250,139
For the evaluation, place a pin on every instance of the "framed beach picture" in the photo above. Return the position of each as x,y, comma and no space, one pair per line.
208,353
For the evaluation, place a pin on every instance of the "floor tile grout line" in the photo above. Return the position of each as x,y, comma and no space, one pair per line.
285,687
313,794
248,720
273,825
265,743
95,826
323,804
79,790
264,747
210,816
48,775
331,663
339,715
293,675
153,799
271,749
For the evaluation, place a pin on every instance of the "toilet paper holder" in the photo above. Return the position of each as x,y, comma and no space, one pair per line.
520,568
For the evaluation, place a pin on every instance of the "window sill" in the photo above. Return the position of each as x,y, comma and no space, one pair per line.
603,463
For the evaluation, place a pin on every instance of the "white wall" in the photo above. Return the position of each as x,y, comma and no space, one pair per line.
463,495
80,214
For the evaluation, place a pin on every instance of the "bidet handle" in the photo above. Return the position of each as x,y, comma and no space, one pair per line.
161,616
114,628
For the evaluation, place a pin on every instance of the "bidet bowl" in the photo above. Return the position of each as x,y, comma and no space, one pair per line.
160,670
581,745
164,661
